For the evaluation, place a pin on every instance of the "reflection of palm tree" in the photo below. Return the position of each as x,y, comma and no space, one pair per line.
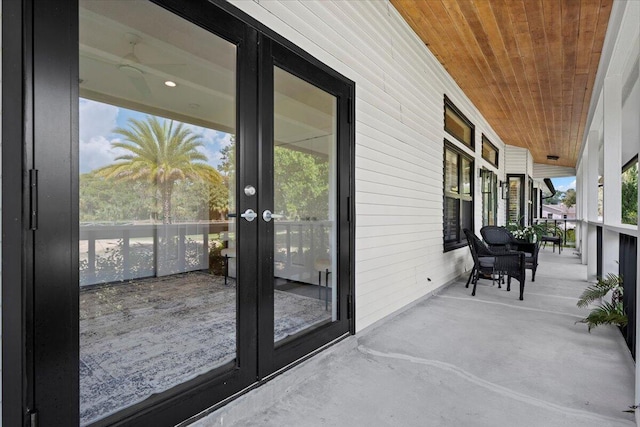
162,153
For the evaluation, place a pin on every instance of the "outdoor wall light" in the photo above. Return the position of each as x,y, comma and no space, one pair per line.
504,189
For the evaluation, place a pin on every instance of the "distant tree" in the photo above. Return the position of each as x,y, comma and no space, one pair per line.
103,199
162,152
630,195
556,199
569,199
228,158
302,184
222,199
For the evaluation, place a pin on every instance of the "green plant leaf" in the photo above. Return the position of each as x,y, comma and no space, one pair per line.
598,290
606,314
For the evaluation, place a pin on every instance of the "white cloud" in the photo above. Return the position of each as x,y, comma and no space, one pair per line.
571,185
97,152
213,156
96,119
224,139
97,122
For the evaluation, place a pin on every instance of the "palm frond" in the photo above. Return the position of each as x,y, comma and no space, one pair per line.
612,280
606,314
598,290
591,294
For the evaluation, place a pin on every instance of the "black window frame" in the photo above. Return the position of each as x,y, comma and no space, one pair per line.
530,201
521,201
460,241
485,140
493,176
536,203
449,105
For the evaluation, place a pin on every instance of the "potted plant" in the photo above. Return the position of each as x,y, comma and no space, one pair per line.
530,233
608,312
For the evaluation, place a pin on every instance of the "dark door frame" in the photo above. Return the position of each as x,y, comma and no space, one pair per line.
16,239
275,54
40,352
521,177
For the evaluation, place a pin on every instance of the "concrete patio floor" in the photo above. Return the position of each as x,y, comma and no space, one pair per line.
457,360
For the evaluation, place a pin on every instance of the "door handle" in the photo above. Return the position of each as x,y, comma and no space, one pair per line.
249,215
268,216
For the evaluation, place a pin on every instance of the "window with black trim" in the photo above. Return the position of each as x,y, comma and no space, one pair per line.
489,151
489,197
530,202
458,196
457,124
515,202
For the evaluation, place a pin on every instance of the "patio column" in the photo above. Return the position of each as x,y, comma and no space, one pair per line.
612,171
590,254
581,202
592,175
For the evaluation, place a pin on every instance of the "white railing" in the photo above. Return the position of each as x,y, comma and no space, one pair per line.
128,251
564,226
119,252
298,245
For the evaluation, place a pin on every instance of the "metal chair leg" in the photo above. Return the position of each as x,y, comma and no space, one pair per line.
475,283
473,270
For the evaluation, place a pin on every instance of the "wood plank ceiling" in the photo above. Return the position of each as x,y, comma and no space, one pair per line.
528,65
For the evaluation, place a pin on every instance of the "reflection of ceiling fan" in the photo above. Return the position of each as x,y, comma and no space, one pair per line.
128,66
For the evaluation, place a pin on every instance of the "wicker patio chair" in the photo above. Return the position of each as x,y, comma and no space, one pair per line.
485,260
500,239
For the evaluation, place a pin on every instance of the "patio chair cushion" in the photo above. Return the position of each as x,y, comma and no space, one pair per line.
488,262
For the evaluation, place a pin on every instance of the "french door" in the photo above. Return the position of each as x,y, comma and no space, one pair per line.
193,204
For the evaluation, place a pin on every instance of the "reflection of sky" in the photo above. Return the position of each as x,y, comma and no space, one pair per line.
563,184
97,121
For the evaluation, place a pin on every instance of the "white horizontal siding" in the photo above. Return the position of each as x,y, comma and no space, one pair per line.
551,171
516,160
400,88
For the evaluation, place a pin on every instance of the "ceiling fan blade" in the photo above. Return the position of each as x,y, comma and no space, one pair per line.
141,85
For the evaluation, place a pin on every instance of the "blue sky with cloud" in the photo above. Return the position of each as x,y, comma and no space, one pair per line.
98,120
563,184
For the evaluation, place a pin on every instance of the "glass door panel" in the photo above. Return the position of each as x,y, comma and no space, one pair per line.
304,175
489,197
515,203
157,123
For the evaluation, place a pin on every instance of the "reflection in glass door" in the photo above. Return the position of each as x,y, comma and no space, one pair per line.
157,208
304,175
515,205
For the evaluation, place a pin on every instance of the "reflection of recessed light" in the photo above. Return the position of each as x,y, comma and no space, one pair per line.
170,83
